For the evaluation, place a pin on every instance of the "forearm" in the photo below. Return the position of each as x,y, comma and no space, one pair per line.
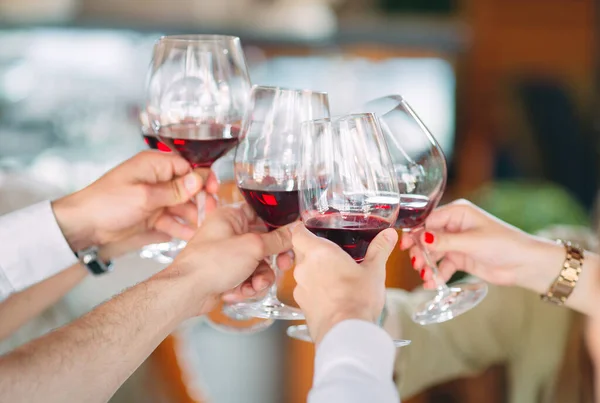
21,307
89,359
543,265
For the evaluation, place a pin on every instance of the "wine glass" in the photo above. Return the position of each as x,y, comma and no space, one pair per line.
197,94
157,251
267,163
348,190
420,168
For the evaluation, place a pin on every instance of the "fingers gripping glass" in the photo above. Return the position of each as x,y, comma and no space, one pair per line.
267,165
420,168
348,191
196,95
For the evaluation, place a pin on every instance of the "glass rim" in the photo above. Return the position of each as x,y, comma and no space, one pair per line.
200,38
274,88
397,98
337,118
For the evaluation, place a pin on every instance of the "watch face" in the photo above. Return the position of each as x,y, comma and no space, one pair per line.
89,257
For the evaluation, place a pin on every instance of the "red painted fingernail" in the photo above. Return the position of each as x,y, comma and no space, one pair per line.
423,274
429,238
413,260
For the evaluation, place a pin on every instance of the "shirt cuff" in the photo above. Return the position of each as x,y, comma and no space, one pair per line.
358,343
33,248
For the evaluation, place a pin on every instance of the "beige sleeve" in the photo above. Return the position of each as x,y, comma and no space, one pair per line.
470,343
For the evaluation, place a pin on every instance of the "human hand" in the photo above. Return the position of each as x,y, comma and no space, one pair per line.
224,259
144,200
464,237
332,287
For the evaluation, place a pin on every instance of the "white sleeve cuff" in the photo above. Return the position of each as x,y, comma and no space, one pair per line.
33,248
356,343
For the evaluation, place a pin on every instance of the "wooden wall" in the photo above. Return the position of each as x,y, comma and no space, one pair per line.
511,38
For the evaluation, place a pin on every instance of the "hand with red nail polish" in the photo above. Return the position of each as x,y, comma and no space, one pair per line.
466,238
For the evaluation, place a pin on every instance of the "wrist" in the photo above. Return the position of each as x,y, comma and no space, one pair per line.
540,266
71,219
340,316
194,300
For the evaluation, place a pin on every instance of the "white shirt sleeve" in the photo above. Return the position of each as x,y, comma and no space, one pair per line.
354,363
32,248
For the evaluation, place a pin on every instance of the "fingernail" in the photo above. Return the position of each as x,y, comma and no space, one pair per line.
413,260
190,182
429,238
422,274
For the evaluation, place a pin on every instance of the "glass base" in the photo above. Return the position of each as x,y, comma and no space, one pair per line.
227,320
268,309
460,298
164,252
300,332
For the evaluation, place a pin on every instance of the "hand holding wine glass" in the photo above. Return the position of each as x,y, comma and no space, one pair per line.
420,168
464,237
332,286
348,191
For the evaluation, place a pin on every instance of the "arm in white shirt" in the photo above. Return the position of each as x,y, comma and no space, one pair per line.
32,248
354,363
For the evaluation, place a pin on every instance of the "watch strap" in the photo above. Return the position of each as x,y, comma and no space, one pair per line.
90,259
567,279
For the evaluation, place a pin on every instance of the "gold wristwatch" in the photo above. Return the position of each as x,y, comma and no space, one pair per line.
569,274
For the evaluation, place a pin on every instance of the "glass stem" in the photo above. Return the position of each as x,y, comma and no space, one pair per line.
271,297
441,286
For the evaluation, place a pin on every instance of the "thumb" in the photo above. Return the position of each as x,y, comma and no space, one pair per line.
381,247
444,242
302,239
176,191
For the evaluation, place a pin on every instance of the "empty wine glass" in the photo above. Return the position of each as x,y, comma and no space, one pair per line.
421,172
348,190
267,164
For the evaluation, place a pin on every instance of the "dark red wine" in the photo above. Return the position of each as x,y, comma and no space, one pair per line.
352,232
275,207
413,211
200,144
154,143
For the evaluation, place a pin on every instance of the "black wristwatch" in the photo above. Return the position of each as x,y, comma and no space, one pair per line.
89,258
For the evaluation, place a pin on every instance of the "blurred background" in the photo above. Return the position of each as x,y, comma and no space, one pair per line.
510,88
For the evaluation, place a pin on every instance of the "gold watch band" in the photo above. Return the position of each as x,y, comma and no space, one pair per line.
569,274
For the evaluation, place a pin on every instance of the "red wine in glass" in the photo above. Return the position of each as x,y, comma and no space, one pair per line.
154,143
275,207
200,144
413,211
352,232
